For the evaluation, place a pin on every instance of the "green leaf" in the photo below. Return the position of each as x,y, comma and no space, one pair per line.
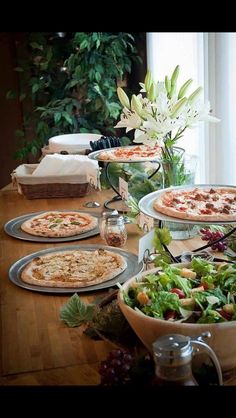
84,44
34,150
67,117
35,45
57,117
97,76
158,261
35,88
161,236
75,312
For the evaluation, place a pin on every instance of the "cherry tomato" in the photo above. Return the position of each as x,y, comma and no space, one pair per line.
170,315
205,285
178,292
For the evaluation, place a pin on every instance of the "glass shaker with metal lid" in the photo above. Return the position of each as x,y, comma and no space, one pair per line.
102,220
115,231
173,359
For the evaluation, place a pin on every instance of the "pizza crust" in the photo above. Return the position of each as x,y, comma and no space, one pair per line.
160,206
105,266
111,154
50,233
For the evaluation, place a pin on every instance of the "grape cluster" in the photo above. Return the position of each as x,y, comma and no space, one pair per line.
115,370
211,236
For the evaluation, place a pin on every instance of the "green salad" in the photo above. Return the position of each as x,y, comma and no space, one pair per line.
202,293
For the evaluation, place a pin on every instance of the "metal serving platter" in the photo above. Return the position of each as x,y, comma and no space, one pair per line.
13,228
133,268
95,156
146,205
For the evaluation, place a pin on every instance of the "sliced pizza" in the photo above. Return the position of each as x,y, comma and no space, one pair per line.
59,224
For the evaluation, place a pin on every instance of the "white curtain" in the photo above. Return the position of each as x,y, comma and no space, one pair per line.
210,59
220,51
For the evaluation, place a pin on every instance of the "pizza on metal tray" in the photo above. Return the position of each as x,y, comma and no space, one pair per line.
199,204
59,224
133,153
73,268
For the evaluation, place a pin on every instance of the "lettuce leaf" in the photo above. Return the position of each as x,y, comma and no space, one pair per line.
202,267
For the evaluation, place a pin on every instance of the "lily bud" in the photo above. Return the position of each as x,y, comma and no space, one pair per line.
152,93
136,105
148,80
123,98
178,107
167,84
194,95
175,75
184,88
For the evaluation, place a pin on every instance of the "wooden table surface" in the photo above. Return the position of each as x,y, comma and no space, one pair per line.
36,347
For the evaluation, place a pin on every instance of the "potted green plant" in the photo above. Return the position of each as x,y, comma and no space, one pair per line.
68,84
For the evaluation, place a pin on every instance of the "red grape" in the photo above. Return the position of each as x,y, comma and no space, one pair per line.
211,236
115,370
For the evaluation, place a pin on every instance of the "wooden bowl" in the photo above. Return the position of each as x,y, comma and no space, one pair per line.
223,335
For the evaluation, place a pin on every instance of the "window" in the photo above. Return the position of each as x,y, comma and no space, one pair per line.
164,52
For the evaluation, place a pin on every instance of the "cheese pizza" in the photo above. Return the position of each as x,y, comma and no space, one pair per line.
210,204
133,153
73,268
59,224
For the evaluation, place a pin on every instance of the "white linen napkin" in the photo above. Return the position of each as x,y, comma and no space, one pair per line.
58,164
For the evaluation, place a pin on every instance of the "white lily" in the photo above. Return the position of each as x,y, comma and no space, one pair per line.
160,113
198,112
129,120
147,137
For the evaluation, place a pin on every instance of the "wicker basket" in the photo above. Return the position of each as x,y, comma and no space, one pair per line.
47,187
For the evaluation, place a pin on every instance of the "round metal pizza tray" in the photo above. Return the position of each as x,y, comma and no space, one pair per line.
95,156
146,205
133,268
13,228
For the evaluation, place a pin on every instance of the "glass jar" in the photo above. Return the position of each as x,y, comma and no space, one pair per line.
115,232
173,359
173,356
102,221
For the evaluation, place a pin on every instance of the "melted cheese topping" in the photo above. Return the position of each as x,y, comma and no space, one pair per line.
58,222
140,151
202,202
74,266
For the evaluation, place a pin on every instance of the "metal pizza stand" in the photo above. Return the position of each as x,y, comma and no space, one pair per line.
146,206
96,156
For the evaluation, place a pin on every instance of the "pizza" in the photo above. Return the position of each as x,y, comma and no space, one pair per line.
199,204
59,224
133,153
73,268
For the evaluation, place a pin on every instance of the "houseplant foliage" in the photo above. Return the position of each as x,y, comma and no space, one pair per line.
71,79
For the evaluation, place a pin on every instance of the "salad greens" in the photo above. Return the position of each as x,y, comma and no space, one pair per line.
203,293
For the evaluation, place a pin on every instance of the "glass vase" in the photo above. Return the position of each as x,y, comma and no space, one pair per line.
180,171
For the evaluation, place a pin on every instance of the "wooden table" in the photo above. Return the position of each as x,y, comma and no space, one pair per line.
36,347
